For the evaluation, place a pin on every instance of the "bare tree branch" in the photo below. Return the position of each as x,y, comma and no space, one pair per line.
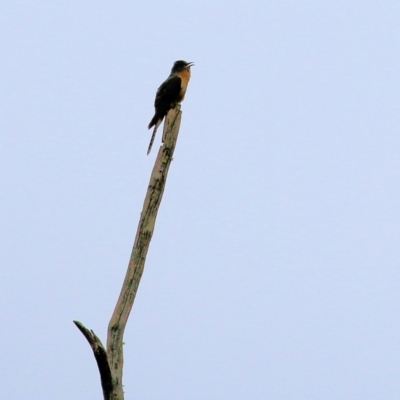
100,354
110,362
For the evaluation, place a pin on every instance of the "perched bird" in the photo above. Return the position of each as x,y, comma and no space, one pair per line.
169,94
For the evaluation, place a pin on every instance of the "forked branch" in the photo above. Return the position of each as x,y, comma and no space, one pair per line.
110,361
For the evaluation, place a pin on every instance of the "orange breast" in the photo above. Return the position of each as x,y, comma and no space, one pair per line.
185,78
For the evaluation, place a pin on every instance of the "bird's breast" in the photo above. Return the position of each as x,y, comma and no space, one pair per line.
185,78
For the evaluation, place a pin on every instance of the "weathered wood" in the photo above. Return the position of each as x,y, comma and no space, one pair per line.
100,354
113,357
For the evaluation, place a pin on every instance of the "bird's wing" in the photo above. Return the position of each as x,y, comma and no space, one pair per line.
168,93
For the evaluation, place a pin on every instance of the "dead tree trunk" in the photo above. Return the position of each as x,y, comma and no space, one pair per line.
110,361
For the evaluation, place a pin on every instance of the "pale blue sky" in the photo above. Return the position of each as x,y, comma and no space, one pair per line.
274,269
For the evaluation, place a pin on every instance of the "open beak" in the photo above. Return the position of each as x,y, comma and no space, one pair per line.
189,64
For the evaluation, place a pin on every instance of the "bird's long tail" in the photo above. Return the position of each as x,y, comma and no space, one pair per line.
156,122
152,138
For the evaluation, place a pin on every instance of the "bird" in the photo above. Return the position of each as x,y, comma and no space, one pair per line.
171,92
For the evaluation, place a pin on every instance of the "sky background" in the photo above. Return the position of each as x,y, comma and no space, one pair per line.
274,271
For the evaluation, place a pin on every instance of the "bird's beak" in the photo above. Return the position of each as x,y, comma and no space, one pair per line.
189,64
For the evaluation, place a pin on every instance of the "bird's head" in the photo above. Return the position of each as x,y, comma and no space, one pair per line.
180,66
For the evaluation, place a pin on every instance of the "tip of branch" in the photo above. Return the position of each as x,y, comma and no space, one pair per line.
101,357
